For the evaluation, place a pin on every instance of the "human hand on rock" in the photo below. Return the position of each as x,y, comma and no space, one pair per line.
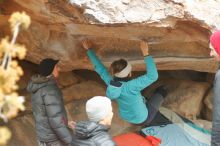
144,48
86,44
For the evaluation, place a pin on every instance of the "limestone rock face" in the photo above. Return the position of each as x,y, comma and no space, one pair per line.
177,31
126,11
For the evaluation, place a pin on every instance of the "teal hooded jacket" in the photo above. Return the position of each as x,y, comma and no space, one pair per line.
131,103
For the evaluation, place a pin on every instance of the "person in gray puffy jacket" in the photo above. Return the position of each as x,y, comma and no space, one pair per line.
48,106
95,131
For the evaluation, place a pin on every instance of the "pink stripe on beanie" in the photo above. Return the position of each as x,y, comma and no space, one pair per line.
215,41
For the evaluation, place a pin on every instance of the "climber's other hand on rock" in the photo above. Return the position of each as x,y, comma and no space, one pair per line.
87,44
144,48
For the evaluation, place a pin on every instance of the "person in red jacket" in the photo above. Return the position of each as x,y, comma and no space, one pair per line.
215,52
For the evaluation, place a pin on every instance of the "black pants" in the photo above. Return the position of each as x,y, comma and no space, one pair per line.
153,106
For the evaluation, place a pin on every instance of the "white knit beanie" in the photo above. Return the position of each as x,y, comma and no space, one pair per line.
98,107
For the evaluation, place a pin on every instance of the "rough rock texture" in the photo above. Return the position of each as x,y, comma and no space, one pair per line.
29,69
23,131
67,79
184,96
208,106
125,11
186,99
83,90
177,31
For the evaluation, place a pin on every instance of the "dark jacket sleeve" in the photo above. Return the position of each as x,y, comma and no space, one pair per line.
56,116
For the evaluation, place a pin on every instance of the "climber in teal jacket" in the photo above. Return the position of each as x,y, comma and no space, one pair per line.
126,91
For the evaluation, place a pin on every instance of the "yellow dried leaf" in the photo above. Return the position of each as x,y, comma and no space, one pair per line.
5,46
19,17
12,105
5,135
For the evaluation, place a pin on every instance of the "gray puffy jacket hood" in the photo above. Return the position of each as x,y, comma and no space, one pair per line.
89,133
37,82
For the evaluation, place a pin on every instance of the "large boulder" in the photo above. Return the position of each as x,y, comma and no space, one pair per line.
177,31
186,98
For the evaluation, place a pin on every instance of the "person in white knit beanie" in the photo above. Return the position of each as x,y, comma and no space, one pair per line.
94,132
99,109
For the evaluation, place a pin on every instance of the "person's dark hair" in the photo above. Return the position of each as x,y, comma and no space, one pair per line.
117,66
46,66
